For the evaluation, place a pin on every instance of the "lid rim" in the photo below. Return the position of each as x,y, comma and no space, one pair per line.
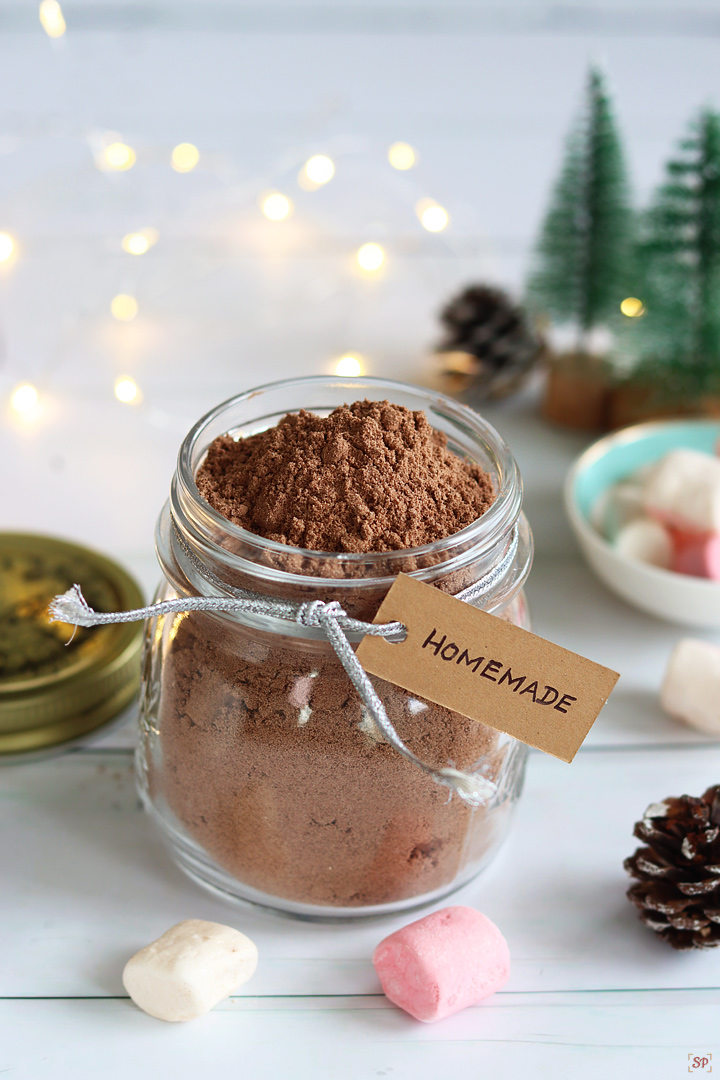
81,696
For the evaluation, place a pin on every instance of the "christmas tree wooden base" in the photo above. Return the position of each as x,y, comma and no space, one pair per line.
581,396
577,392
636,403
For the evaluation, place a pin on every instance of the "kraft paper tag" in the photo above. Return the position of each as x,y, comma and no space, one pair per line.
485,668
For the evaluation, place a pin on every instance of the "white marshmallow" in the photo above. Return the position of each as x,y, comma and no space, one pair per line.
685,489
617,507
691,688
192,967
646,540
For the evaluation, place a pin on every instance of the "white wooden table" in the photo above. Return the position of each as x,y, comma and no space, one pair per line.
86,882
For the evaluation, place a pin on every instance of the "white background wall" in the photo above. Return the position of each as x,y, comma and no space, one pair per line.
485,92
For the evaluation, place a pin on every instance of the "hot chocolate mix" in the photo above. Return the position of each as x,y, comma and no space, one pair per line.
269,760
369,477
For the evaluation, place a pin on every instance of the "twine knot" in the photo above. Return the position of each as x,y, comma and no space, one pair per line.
317,612
308,613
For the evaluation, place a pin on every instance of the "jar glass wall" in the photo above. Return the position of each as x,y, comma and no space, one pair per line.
258,759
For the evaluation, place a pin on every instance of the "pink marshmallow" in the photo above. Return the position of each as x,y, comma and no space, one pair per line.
441,964
697,554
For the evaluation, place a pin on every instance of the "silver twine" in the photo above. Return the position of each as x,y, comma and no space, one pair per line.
472,788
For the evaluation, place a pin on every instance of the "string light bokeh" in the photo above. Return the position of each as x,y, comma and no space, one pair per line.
118,156
124,307
139,242
276,207
127,390
402,156
632,307
349,366
370,257
7,247
339,166
184,157
52,19
318,170
433,217
24,398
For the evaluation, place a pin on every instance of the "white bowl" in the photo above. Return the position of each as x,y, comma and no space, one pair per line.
679,598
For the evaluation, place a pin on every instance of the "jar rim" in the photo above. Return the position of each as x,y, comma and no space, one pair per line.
482,534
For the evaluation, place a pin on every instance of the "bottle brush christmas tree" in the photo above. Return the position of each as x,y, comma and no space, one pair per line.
583,262
678,339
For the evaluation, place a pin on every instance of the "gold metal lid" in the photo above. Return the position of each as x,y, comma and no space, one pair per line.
58,683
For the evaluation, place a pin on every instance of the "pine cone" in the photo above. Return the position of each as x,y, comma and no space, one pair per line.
489,346
678,891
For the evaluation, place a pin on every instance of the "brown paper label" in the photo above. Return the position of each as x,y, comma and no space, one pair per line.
487,669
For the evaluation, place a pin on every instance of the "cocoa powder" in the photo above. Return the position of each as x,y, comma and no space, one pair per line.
369,477
268,759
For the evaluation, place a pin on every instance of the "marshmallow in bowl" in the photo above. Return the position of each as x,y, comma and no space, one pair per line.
697,554
647,540
667,514
617,507
683,490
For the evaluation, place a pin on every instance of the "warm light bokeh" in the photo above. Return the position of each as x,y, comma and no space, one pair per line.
24,398
118,156
139,242
124,307
52,19
370,257
402,156
632,307
319,169
7,246
135,244
126,390
185,157
433,217
276,207
349,366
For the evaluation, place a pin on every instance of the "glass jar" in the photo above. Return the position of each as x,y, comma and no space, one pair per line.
260,763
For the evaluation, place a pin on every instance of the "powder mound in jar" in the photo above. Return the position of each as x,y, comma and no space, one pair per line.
371,476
